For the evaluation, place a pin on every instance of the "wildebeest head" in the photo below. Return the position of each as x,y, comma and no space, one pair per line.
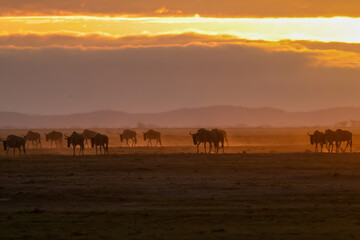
121,137
92,142
311,138
145,136
5,145
47,137
68,139
194,137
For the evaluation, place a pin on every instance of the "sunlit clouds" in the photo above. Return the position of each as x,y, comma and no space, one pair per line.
337,29
249,53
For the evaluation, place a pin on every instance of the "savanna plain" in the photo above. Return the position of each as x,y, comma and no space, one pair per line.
267,185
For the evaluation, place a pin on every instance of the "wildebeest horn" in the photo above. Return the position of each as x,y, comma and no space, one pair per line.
191,133
308,134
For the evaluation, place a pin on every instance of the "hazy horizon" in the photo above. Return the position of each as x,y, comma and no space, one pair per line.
181,108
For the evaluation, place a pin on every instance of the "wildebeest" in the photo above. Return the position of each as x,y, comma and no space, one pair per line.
14,142
330,139
74,140
128,134
34,138
150,135
54,137
221,137
205,136
343,136
317,138
88,135
101,141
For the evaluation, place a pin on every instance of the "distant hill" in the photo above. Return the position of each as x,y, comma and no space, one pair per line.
220,116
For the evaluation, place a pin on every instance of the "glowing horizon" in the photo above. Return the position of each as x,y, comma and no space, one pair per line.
333,29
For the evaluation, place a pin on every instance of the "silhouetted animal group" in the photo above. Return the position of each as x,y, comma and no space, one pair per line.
76,139
213,137
331,139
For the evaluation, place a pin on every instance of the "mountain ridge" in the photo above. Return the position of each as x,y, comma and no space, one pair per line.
213,116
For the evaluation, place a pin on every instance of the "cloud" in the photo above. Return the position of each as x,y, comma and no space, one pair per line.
319,54
60,80
235,8
163,10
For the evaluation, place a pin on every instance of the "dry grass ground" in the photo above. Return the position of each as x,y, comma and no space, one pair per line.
275,191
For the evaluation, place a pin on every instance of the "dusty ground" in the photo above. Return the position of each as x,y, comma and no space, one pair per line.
171,193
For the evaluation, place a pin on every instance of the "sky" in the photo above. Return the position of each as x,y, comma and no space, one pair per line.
61,57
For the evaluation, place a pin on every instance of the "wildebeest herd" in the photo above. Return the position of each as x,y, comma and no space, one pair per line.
215,138
330,139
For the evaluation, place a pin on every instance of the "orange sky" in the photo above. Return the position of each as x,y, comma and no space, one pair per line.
58,48
234,8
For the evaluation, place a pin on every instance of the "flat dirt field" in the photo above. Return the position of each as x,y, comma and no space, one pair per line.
268,185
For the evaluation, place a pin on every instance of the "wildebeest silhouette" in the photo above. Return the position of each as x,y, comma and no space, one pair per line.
34,138
150,135
128,134
101,141
88,135
74,140
343,136
317,138
56,137
205,136
14,142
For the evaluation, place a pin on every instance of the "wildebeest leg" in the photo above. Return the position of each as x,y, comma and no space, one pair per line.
205,147
210,147
198,147
14,151
74,151
321,146
347,144
327,145
316,147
